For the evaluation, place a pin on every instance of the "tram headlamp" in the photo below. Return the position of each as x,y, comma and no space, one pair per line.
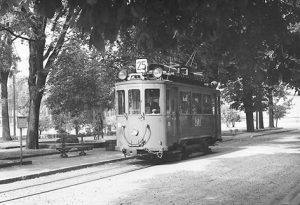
157,72
214,84
122,74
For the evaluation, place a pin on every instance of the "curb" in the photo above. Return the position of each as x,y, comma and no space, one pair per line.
259,134
10,164
30,156
66,169
274,132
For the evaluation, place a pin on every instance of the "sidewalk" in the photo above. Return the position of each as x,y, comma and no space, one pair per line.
44,162
47,160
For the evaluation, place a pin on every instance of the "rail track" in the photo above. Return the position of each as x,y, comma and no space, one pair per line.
24,189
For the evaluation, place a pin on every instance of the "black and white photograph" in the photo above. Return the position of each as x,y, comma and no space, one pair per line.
150,102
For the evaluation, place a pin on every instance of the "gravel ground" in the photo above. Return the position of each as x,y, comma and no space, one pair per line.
260,170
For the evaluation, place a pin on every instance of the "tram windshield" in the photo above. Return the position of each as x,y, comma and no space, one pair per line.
152,101
134,102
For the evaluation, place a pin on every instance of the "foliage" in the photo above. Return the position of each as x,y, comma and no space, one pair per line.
21,96
60,122
80,83
281,102
230,116
280,110
250,41
7,67
46,38
44,123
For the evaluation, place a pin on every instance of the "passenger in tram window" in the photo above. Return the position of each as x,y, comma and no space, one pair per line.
154,107
152,101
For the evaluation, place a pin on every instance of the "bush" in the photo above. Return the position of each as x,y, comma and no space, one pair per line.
230,116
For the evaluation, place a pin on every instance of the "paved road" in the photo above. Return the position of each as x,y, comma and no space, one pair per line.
258,170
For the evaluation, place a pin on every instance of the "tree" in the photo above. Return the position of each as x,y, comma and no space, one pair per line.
280,110
236,33
79,84
230,116
44,124
36,29
280,102
7,66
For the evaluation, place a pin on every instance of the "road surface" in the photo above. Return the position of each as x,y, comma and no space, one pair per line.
258,170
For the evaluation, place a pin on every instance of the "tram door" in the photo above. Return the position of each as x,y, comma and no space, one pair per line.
172,115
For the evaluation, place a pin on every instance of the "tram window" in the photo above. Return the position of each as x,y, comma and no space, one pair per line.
134,102
168,102
152,101
196,103
218,105
185,102
213,105
121,102
207,104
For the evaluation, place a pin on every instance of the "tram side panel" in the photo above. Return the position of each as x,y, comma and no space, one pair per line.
197,115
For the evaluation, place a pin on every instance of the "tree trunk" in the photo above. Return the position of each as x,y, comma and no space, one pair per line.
256,120
249,120
76,129
32,141
248,105
36,83
276,122
271,112
38,71
4,113
261,120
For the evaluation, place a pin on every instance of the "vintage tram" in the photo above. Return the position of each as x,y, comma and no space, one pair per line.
164,110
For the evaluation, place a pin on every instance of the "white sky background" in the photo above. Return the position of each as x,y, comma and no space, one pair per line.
22,50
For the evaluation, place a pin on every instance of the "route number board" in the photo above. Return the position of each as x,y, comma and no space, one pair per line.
141,65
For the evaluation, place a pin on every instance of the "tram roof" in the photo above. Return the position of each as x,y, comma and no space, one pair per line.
169,74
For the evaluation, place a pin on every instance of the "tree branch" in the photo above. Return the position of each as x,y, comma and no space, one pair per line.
62,36
2,28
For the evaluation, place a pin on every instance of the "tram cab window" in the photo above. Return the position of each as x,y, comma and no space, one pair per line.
196,103
121,102
207,104
134,101
185,102
152,101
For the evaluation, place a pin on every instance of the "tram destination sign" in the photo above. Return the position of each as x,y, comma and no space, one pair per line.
22,122
141,65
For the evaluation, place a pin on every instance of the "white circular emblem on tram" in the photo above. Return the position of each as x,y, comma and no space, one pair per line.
134,132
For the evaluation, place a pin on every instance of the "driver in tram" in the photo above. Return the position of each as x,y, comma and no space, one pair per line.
154,107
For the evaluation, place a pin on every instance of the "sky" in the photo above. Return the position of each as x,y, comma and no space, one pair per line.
22,50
